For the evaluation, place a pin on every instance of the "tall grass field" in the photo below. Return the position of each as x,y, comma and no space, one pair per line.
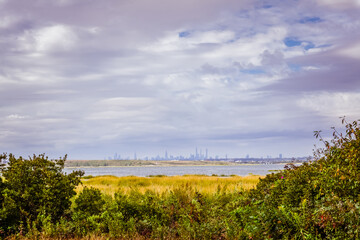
162,184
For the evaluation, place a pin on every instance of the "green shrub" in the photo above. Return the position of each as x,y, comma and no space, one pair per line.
88,210
89,202
317,200
32,188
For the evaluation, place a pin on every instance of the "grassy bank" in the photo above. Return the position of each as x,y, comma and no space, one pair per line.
160,184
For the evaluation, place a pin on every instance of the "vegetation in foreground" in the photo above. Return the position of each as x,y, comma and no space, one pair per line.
318,200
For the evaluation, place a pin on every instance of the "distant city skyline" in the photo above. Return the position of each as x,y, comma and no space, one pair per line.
198,154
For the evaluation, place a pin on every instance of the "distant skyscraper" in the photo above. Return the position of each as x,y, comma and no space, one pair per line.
198,155
280,155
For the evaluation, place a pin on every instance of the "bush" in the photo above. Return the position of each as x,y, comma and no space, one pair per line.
89,206
89,202
317,200
33,189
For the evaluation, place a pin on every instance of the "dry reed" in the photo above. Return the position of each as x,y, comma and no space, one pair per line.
160,184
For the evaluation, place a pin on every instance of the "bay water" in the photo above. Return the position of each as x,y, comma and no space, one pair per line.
145,171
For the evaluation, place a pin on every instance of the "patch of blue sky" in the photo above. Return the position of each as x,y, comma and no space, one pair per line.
184,34
292,42
309,45
295,67
232,40
310,20
324,46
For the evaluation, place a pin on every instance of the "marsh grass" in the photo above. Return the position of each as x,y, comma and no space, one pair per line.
161,184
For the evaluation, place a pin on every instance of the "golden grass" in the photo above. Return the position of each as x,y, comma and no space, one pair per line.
204,184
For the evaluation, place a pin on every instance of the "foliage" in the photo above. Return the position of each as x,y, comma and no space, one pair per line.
33,189
89,202
317,200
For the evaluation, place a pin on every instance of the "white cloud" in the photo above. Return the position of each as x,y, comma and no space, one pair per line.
16,116
340,3
94,30
248,50
332,104
65,2
125,109
173,42
352,51
310,68
6,21
210,37
55,38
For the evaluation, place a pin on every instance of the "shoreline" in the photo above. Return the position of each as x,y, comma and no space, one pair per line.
179,165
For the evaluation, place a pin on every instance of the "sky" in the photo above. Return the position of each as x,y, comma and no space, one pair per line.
92,78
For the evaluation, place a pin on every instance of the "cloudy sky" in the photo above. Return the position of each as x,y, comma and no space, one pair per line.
90,78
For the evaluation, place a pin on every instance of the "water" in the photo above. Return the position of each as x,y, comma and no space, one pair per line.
241,170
